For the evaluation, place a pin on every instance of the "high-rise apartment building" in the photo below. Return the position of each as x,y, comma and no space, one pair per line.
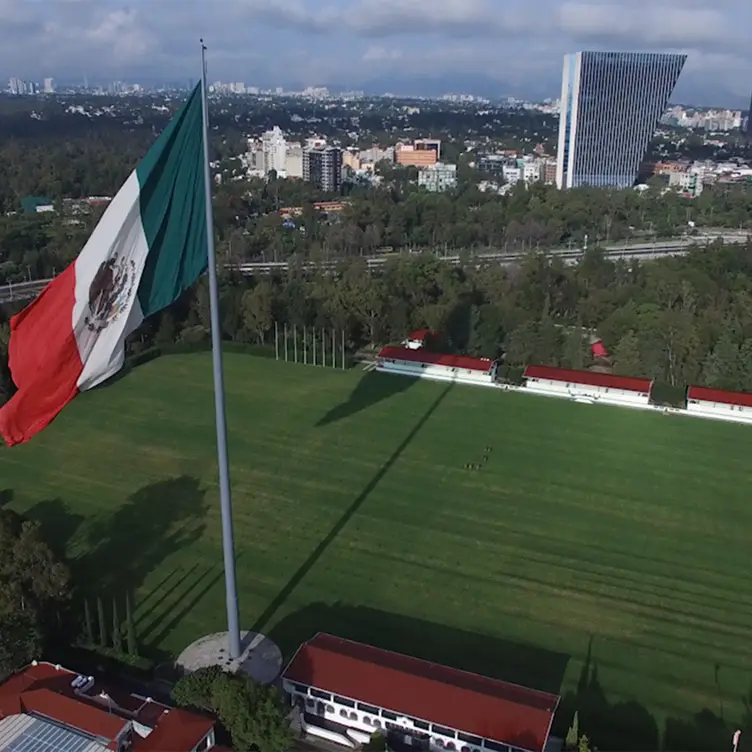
49,85
610,106
322,166
748,129
273,151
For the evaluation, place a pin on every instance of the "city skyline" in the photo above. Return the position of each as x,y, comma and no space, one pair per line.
475,46
610,106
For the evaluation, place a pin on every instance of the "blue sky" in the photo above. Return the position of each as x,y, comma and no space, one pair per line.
508,46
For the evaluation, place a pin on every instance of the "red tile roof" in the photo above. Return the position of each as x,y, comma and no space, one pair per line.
74,713
176,730
45,689
719,395
588,378
466,702
438,359
421,334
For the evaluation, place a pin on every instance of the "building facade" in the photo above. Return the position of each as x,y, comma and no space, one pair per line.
610,105
426,706
438,177
322,166
48,707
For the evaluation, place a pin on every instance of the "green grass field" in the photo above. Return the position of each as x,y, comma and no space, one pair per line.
593,538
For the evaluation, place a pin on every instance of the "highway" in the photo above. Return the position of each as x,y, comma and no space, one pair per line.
644,251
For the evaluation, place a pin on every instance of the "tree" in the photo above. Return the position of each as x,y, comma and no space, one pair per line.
130,627
574,732
117,634
88,626
196,690
377,743
721,367
20,641
627,358
31,578
102,625
254,714
167,332
258,309
574,351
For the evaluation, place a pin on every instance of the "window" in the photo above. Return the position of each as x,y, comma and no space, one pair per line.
468,739
300,688
366,720
377,722
495,746
344,701
330,708
321,695
420,724
204,744
368,708
389,716
443,731
343,713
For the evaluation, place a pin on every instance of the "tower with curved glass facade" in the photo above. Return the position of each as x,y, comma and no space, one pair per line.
610,106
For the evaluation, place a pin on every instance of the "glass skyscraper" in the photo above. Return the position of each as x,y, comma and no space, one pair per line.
610,106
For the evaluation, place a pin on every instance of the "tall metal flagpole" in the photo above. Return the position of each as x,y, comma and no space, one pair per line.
228,545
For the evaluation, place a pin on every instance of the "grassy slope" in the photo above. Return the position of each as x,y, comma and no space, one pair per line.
590,530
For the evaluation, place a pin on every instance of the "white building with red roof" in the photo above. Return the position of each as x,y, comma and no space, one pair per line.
588,386
423,364
48,707
719,404
428,706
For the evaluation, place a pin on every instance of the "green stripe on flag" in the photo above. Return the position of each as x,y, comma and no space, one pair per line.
173,214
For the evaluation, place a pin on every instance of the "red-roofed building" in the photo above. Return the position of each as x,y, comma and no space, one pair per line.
588,386
428,705
46,706
421,338
719,404
438,366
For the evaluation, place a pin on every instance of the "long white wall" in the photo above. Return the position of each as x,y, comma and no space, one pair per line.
435,372
588,393
582,393
356,716
719,411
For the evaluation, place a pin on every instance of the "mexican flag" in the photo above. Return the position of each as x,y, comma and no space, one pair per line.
148,247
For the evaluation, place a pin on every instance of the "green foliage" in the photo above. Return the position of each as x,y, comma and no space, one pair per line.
117,634
584,744
254,714
20,641
130,627
102,625
88,624
377,743
195,690
31,578
574,732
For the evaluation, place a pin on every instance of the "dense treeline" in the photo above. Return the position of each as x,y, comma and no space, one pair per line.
679,320
399,216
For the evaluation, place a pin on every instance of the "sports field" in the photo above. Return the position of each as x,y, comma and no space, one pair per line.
590,535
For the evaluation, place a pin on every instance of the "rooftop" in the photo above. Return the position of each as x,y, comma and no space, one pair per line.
469,703
589,378
39,704
743,399
464,362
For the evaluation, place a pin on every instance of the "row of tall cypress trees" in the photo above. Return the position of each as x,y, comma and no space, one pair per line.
122,635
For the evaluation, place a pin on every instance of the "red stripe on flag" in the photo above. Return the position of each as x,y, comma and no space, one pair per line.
44,361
